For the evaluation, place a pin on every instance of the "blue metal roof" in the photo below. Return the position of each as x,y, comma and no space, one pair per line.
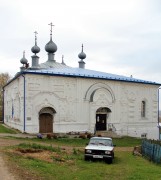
85,73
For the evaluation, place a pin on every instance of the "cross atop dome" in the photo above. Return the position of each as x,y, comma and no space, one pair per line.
35,49
63,60
82,47
51,47
36,37
51,30
82,55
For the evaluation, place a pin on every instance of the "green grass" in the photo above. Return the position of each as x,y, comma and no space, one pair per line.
125,167
77,142
127,141
4,129
37,146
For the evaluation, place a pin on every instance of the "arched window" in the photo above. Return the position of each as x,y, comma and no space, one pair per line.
143,109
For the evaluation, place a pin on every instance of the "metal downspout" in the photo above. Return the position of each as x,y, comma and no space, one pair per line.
3,106
24,115
158,112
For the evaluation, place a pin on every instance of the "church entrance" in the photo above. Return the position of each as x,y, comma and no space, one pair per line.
46,123
46,120
101,122
101,118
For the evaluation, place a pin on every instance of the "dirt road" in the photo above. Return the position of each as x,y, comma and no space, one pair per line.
7,172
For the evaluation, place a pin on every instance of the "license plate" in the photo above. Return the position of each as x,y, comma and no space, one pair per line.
97,156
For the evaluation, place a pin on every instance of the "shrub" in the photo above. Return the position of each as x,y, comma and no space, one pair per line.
83,136
89,135
49,136
54,136
99,135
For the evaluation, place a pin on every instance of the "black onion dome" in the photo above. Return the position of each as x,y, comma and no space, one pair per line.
82,55
51,47
35,49
23,60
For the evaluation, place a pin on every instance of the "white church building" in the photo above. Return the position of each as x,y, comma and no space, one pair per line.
53,97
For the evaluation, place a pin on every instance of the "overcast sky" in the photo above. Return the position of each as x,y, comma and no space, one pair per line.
119,36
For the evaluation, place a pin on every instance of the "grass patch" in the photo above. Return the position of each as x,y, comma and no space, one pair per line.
38,146
125,167
127,141
78,142
4,129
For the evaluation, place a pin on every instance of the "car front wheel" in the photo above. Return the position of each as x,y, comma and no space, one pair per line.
109,161
86,158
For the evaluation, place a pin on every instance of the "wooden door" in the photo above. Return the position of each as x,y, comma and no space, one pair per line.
45,123
101,122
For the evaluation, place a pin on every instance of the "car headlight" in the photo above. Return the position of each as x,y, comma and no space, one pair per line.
88,151
108,152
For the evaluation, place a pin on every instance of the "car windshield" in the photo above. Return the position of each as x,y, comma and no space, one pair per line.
105,142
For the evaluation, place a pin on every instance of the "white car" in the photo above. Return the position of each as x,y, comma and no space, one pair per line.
100,148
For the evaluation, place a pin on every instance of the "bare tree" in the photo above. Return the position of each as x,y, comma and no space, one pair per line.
4,78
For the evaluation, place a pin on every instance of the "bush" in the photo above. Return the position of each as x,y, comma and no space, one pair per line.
99,135
49,136
89,135
83,136
54,136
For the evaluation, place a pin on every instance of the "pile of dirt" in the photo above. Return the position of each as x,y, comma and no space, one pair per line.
41,155
29,150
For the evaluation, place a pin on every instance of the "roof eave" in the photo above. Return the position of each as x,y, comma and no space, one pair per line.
83,76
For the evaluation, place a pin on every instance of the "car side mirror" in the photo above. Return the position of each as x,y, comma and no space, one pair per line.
86,143
114,145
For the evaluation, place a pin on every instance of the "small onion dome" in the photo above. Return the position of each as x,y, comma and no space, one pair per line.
24,60
51,47
82,55
35,49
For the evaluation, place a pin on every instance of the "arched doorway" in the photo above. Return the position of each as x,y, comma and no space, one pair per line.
46,120
102,114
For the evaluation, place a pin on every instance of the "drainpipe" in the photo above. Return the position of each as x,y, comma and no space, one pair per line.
3,106
158,111
24,105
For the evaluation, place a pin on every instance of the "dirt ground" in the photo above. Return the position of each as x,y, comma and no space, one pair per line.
4,171
8,172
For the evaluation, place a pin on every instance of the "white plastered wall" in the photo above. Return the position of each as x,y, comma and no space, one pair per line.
76,101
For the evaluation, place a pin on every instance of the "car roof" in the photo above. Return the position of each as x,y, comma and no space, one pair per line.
101,138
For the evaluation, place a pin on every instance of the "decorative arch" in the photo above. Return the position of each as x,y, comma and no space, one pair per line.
92,89
48,110
43,100
103,110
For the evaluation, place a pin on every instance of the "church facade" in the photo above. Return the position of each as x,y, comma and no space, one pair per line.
53,97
